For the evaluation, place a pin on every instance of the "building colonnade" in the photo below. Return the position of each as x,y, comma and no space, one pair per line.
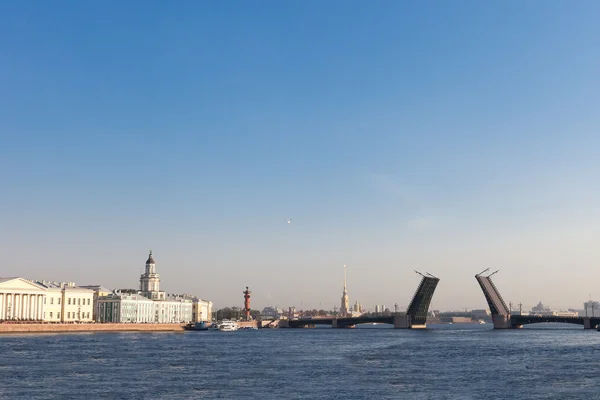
22,306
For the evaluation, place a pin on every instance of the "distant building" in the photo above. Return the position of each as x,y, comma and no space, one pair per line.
99,291
271,312
481,314
21,299
134,307
201,310
292,313
380,309
126,308
562,313
66,302
461,320
541,309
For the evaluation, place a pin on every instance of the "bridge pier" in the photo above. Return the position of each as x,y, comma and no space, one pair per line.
401,321
334,323
587,323
501,321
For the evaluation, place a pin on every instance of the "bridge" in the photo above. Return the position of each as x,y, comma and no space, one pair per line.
414,317
503,318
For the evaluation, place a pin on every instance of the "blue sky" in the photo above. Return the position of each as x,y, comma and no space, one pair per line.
397,135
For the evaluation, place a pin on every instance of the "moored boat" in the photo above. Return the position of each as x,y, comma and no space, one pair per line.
196,326
228,326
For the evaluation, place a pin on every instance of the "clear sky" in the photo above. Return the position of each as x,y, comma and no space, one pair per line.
438,136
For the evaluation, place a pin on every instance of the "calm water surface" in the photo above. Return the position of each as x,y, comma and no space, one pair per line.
444,362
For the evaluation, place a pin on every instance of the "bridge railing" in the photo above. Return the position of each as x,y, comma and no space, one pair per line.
498,294
492,296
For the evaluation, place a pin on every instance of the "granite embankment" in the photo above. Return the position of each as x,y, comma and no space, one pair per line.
58,328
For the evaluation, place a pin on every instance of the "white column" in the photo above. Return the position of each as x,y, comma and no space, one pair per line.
25,305
17,305
40,304
2,296
7,301
38,316
31,306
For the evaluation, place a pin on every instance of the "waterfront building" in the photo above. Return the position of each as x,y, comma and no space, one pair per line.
52,302
21,299
482,314
99,291
125,307
201,310
66,302
541,309
345,303
148,305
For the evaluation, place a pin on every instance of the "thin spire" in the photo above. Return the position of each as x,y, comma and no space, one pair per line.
344,278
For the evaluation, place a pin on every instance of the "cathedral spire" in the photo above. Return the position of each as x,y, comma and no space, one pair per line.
345,306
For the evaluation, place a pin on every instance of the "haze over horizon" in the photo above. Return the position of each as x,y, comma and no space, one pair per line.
398,136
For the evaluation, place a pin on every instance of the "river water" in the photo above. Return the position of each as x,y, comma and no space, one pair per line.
443,362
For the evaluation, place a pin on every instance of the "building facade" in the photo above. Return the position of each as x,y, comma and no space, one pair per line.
125,308
21,300
201,310
149,305
66,302
99,291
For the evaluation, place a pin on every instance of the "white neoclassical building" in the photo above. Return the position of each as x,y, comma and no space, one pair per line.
125,307
21,300
148,305
66,302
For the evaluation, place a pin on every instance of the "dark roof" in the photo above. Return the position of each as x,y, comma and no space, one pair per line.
150,259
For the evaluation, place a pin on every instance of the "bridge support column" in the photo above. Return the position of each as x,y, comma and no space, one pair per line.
587,324
401,321
501,321
334,323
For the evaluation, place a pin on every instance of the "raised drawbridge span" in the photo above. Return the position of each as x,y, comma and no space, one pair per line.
414,317
502,315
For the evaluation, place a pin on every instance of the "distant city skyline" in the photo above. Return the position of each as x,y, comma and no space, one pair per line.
440,137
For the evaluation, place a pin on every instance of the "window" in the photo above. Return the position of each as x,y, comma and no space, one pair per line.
88,302
69,301
51,301
50,314
68,315
59,300
58,315
78,302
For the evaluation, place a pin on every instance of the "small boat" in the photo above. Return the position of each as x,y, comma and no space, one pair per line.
196,326
228,326
248,328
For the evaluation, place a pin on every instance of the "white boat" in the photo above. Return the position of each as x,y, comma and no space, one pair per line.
228,326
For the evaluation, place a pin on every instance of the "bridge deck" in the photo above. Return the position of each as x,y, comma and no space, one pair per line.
518,320
347,321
